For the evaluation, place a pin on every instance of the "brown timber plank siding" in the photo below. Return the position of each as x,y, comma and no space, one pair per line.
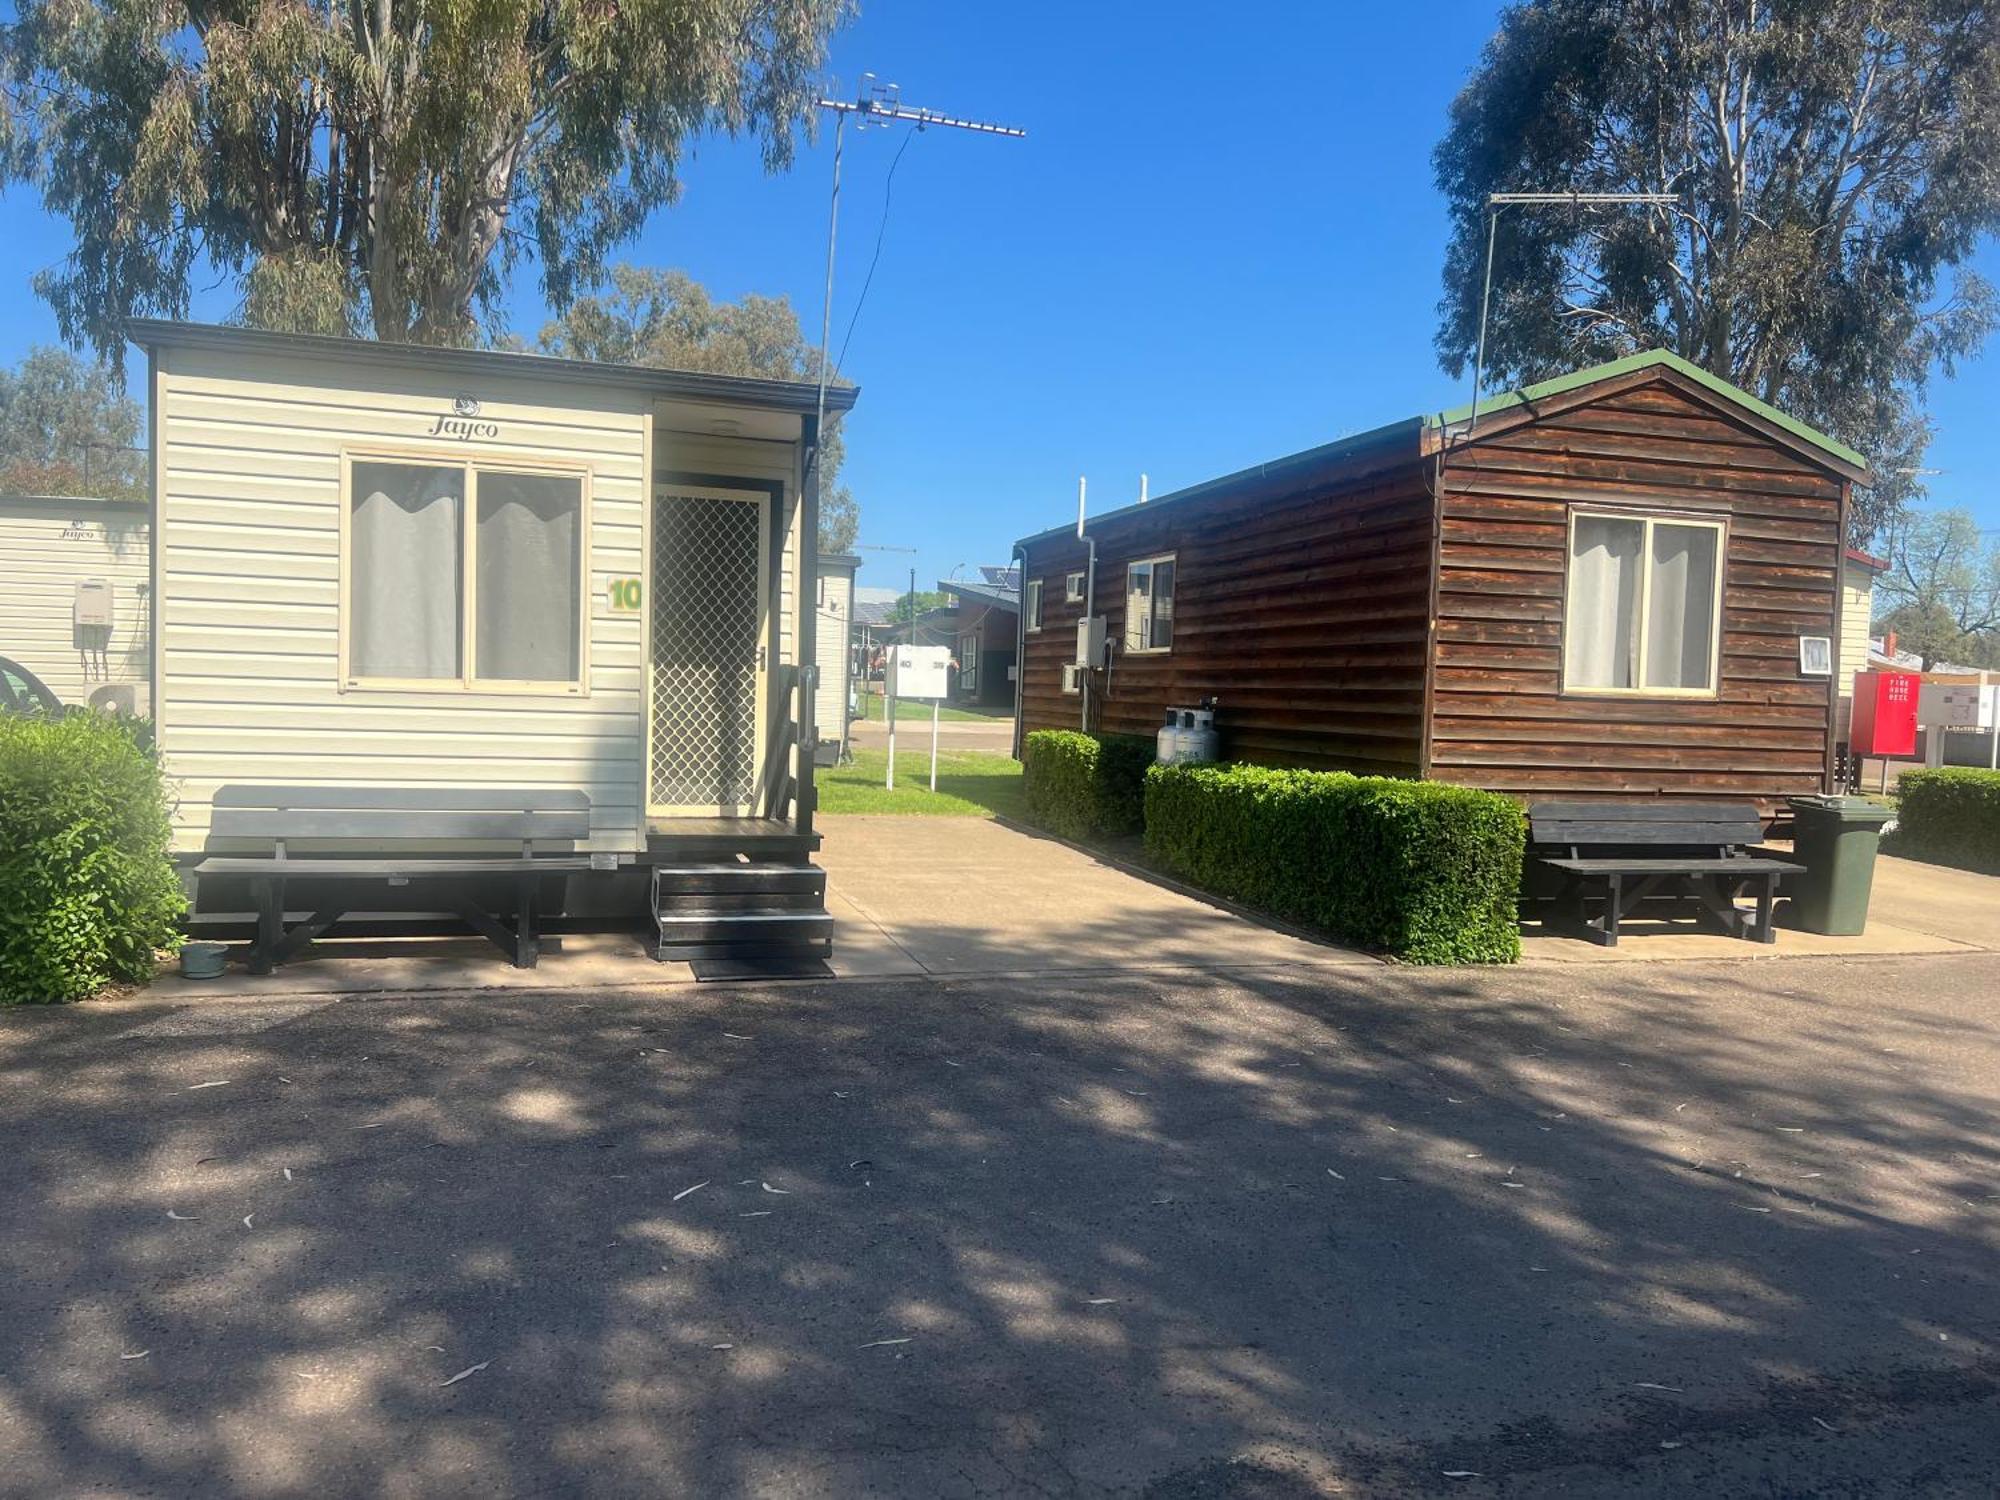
1306,612
1499,718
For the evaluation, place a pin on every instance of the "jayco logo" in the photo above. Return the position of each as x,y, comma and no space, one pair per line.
463,423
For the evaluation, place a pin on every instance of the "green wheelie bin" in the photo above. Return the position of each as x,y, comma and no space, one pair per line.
1836,842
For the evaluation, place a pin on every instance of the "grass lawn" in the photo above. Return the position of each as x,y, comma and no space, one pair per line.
971,784
874,708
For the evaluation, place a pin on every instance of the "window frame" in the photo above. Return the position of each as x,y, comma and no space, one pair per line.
1152,603
1073,587
1647,520
1031,604
1072,679
968,663
468,464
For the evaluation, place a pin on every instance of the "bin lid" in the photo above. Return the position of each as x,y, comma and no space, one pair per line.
1847,809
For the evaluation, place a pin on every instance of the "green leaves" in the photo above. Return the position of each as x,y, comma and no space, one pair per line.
1950,815
87,893
1085,786
403,156
1835,164
1427,872
650,316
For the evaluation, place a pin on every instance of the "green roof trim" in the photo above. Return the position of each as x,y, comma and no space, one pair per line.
1658,359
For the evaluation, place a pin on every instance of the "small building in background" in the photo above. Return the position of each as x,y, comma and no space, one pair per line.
985,636
1858,572
835,602
75,576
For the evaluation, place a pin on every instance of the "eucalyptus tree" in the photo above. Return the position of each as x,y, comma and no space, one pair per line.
646,316
377,166
1837,161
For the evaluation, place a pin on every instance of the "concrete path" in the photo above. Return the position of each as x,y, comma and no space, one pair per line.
973,896
1709,1229
996,735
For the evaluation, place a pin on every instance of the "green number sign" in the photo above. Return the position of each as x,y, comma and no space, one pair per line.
625,596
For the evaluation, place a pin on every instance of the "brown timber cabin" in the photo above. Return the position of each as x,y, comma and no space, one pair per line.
1623,582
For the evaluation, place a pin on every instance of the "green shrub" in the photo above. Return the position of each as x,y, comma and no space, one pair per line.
1084,786
1427,872
86,891
1951,815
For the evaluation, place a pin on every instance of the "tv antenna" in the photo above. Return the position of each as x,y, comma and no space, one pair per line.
881,105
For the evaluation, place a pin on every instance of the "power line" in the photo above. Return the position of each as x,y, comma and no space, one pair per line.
881,233
883,105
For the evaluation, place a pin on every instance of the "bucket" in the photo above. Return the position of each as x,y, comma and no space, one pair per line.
203,960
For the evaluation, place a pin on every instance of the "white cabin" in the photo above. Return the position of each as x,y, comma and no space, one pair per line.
385,566
74,580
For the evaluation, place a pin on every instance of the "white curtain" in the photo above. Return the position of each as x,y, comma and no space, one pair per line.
403,602
1680,625
1601,617
529,573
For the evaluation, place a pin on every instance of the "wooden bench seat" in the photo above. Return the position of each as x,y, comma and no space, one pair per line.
1622,852
379,819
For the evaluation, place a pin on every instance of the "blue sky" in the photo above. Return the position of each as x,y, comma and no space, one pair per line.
1219,243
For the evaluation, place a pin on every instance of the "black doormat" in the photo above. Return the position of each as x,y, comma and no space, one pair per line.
708,970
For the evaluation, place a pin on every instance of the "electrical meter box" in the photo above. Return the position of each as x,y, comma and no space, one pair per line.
1953,705
1885,714
919,671
1090,641
93,602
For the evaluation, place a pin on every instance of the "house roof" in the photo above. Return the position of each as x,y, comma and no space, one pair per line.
874,612
839,560
1649,360
1412,430
97,502
781,395
1867,560
986,593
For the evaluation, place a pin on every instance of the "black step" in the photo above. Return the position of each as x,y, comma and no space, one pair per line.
672,881
758,926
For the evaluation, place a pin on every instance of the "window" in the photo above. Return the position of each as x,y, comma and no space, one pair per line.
1034,604
1073,588
1643,604
968,663
1149,605
466,574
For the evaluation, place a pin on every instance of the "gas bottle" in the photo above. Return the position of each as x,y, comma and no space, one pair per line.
1199,740
1167,742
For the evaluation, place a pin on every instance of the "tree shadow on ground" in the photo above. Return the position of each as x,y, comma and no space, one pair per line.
1267,1233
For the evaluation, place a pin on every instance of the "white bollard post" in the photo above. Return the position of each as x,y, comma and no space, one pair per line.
934,724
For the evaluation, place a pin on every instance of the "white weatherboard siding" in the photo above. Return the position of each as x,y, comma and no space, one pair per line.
249,465
48,546
1857,604
836,615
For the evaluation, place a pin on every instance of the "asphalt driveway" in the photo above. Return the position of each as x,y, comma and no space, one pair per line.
1650,1229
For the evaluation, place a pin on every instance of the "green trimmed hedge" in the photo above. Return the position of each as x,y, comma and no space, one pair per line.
1084,786
1427,872
1951,816
86,890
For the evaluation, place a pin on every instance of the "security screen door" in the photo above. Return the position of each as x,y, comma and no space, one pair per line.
710,611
